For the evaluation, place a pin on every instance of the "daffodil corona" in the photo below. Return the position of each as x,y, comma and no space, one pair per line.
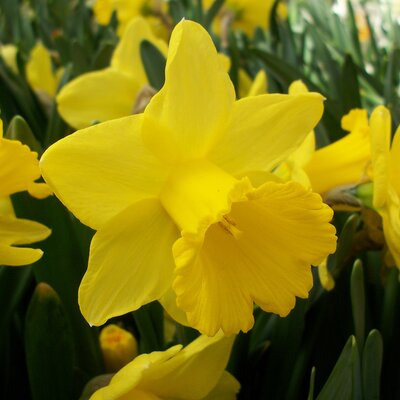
174,210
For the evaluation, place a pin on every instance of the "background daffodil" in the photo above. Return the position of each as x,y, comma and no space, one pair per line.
129,9
19,168
191,373
343,162
386,173
175,178
112,92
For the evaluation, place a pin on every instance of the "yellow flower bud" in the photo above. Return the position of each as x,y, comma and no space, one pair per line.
118,346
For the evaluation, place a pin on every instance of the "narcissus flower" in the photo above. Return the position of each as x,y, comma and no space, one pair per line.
19,168
175,177
192,373
127,10
40,73
343,162
386,173
249,14
112,92
9,54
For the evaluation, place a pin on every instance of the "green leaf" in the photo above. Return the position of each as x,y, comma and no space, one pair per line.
212,12
358,302
312,381
345,243
350,88
154,64
49,346
149,321
14,283
371,365
344,377
20,130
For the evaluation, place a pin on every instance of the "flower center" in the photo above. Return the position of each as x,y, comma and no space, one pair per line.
228,224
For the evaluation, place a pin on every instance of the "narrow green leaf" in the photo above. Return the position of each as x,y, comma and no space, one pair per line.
149,320
358,302
20,130
345,242
354,34
371,365
212,12
340,384
49,346
154,64
350,88
14,283
312,381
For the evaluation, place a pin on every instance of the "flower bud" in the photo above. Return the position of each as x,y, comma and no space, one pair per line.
118,346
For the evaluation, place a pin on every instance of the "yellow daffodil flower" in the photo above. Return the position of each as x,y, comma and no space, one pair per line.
249,14
112,92
247,87
343,162
9,54
386,173
175,177
127,10
194,372
40,74
19,168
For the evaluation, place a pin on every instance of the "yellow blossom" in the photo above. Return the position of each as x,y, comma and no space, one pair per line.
191,373
9,54
19,168
40,73
112,92
168,193
340,163
118,346
386,172
127,10
249,14
247,87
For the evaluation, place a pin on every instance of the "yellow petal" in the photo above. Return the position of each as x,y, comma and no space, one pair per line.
9,54
99,171
21,231
325,276
226,389
127,58
14,231
103,9
298,87
394,163
185,119
19,167
193,372
245,258
18,256
391,228
244,83
124,383
342,162
130,262
264,130
380,123
249,14
168,301
259,85
39,190
97,96
39,70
